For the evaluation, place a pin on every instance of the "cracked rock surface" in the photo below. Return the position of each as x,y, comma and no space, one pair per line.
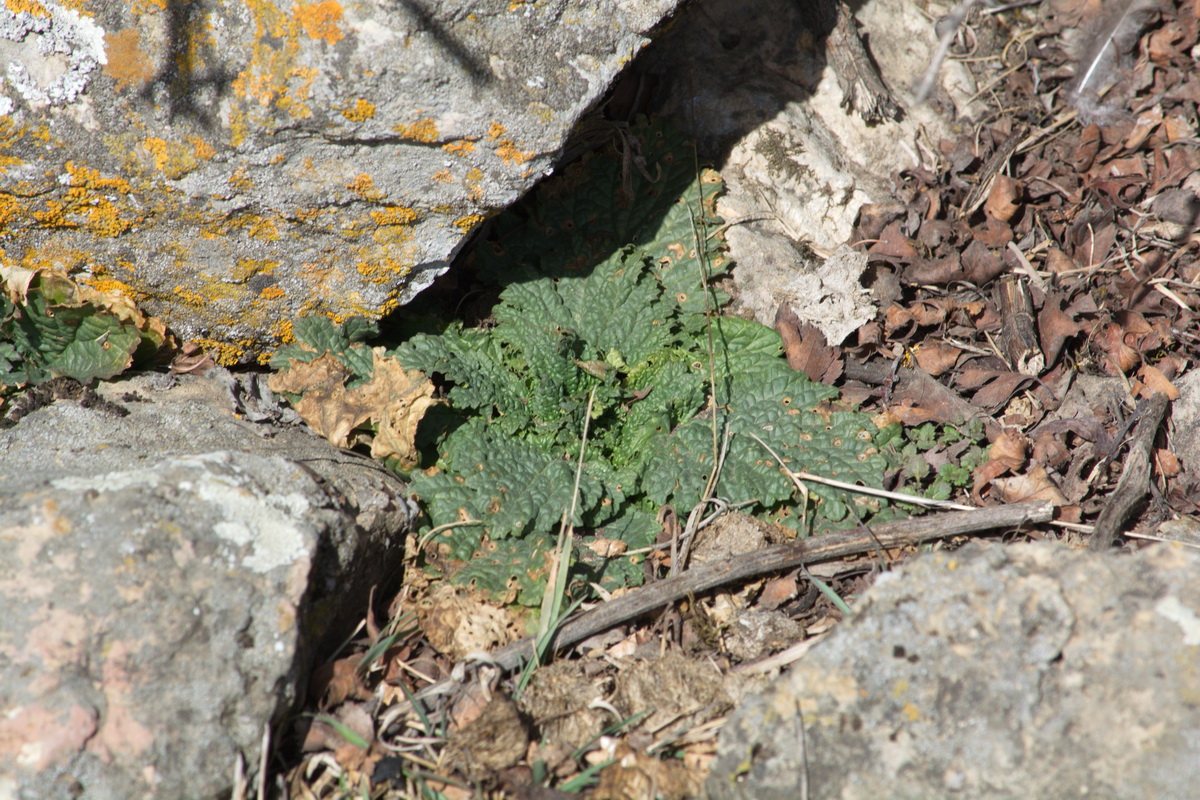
167,578
994,671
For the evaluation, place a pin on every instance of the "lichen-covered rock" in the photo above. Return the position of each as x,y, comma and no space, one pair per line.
991,672
166,578
233,164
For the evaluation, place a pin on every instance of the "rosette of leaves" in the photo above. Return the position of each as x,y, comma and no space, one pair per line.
606,296
51,326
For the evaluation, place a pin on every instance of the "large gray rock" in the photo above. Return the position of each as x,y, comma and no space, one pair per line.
166,577
231,165
991,672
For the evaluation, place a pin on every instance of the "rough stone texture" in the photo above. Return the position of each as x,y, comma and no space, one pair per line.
758,94
165,579
232,164
991,672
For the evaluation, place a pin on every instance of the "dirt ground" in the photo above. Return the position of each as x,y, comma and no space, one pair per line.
1038,274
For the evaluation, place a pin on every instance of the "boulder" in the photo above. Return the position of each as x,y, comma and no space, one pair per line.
231,166
990,672
168,569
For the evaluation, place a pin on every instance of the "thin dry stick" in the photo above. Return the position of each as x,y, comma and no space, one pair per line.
778,558
1135,477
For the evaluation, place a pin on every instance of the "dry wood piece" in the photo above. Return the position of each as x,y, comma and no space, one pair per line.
1134,484
1019,334
826,547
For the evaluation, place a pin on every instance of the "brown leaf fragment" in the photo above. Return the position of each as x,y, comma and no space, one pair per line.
401,399
1089,145
1059,262
1146,123
1055,327
1049,451
981,264
806,348
874,217
936,358
1033,485
1153,380
997,392
993,234
935,273
191,359
778,591
1119,358
1004,199
894,245
1093,243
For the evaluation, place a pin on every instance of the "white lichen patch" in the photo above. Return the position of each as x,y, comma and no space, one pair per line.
49,58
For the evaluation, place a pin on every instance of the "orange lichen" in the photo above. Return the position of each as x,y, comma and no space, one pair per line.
320,20
272,293
224,353
443,176
10,208
255,225
31,7
363,185
246,268
240,180
468,223
459,147
189,297
283,331
359,111
108,285
89,203
383,270
127,63
172,158
293,99
201,149
395,215
472,179
263,228
495,131
423,130
509,153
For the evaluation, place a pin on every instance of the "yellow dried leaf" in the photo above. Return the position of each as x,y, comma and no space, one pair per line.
402,398
395,400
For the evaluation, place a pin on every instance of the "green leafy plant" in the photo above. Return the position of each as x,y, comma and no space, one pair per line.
956,452
52,326
607,293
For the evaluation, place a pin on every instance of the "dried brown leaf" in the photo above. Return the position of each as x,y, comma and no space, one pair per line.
1032,486
1155,382
1004,199
980,264
395,400
778,591
893,245
806,348
936,358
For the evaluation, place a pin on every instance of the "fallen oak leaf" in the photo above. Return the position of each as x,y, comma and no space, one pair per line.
1153,380
1033,485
